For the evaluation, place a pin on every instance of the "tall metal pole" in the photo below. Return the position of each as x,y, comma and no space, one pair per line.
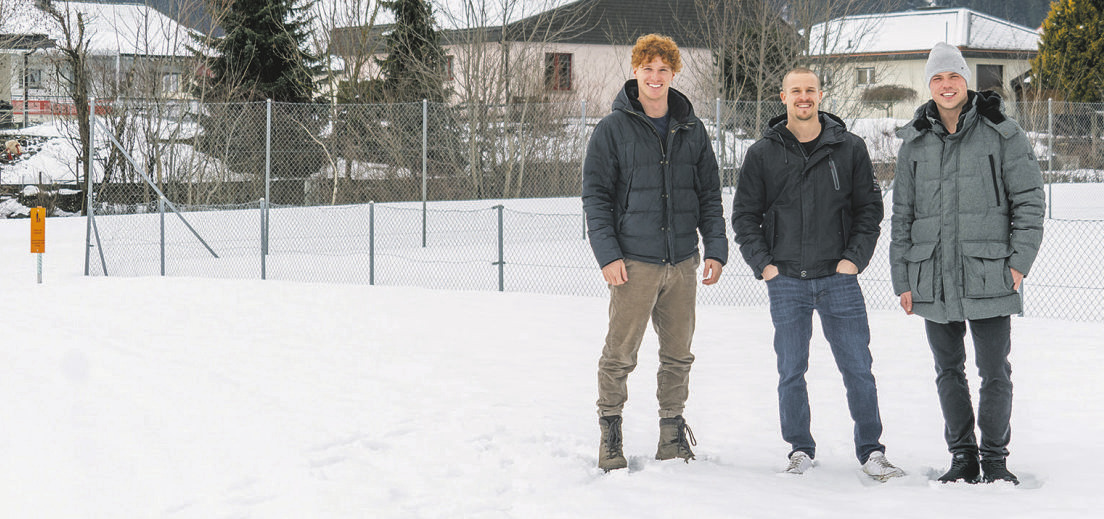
268,172
87,181
582,163
161,211
1050,156
425,156
372,243
501,255
720,147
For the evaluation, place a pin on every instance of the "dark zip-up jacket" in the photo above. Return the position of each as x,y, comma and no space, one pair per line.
804,214
647,196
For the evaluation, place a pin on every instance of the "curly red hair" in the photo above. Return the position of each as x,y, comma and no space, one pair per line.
651,46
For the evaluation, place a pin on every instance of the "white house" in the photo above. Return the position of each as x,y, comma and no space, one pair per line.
571,51
136,51
892,48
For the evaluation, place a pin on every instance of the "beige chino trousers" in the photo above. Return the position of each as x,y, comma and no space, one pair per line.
666,294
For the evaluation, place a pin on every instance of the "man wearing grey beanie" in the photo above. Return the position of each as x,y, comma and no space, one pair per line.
967,225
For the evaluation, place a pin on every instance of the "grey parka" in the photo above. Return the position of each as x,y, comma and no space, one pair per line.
966,207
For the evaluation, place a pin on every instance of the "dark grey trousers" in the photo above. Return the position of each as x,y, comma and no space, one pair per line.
992,344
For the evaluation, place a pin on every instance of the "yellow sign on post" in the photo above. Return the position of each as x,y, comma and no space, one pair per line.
38,236
38,230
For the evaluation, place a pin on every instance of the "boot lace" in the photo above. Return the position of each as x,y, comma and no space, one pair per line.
614,438
685,439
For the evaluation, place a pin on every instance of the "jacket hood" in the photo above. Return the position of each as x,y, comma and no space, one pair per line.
678,105
830,124
987,104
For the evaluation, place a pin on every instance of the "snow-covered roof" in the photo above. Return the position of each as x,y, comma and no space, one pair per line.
126,29
919,30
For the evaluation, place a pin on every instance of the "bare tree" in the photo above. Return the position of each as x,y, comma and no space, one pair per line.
72,69
502,72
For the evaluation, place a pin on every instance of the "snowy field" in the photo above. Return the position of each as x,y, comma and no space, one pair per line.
207,398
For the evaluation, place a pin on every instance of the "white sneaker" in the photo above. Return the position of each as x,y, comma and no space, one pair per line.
879,468
799,463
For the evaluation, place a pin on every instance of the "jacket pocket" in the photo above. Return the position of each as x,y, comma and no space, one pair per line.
921,271
985,270
769,230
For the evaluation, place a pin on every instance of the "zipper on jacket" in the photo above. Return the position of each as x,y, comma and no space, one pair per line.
665,163
835,174
993,172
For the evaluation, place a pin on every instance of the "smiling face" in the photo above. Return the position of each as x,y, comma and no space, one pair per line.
948,89
653,80
801,94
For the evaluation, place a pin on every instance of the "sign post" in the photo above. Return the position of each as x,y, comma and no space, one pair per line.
38,236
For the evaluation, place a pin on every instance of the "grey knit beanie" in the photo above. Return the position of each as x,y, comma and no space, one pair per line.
945,58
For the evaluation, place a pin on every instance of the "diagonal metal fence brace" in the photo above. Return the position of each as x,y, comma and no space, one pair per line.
154,186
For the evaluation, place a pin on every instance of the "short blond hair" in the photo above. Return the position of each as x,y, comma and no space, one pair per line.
651,46
800,70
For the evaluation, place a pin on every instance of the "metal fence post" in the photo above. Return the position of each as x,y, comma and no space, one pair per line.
1050,156
161,211
88,182
264,238
268,171
501,258
719,151
425,158
371,242
582,163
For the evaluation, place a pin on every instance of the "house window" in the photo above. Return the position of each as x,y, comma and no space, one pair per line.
449,62
34,78
170,83
990,77
865,76
557,71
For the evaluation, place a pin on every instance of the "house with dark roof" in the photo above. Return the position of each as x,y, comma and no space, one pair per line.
578,50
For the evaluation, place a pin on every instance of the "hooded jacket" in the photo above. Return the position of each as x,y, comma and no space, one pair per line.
804,214
647,196
967,207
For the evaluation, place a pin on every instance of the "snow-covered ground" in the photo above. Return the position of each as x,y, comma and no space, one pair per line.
206,398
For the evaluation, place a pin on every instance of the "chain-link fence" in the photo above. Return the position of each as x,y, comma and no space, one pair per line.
465,197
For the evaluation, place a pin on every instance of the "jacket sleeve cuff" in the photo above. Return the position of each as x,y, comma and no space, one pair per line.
1020,263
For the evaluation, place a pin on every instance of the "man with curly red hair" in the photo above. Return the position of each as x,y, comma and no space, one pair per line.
650,186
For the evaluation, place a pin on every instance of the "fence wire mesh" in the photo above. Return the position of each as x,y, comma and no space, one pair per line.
410,194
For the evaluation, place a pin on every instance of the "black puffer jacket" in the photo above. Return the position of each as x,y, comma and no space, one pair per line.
643,203
804,214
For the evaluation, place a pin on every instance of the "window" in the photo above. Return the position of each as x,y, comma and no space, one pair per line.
557,71
990,77
449,62
170,83
865,76
34,78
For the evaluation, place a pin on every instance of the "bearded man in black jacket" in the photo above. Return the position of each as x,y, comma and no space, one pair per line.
807,215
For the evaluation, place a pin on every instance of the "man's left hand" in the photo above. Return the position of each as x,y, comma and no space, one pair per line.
1017,278
712,272
847,267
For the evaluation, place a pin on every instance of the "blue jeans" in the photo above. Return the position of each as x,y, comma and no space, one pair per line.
839,302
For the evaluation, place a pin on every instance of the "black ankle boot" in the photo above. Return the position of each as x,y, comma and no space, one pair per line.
964,466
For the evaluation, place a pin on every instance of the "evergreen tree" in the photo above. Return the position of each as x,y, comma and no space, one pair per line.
262,54
414,67
1071,52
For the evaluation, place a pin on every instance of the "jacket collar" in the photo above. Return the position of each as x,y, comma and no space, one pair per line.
831,129
984,106
678,105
